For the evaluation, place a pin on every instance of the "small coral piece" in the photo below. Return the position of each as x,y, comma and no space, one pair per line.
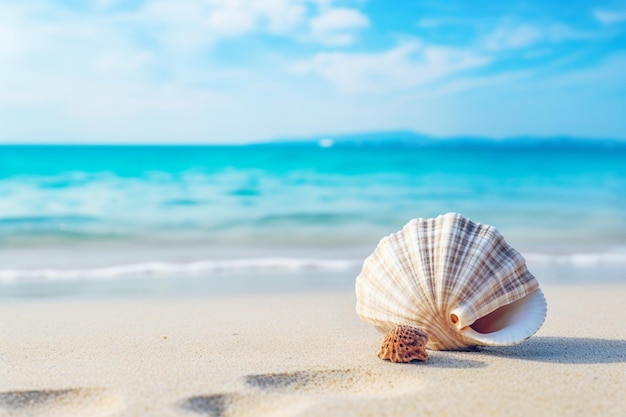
404,344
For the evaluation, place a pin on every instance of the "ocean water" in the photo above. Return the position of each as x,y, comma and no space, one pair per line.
196,214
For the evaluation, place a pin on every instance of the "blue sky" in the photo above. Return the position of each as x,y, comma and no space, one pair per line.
233,71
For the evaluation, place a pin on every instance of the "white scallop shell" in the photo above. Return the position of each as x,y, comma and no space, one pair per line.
457,280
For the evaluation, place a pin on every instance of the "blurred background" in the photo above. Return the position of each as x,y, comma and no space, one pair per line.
210,146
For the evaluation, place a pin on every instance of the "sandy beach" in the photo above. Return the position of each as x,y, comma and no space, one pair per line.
297,355
195,194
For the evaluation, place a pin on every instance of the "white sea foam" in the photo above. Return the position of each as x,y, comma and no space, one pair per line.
269,264
578,259
150,269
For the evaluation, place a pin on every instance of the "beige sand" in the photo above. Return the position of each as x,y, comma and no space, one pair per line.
298,355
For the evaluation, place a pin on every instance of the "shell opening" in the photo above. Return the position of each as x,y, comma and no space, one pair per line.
501,317
511,323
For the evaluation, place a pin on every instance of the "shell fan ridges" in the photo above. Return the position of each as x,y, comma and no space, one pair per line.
455,279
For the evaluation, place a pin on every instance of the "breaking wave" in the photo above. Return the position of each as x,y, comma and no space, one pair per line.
151,269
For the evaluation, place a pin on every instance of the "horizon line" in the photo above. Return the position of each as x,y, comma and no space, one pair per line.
340,139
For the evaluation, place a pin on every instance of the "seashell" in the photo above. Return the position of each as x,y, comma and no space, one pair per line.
457,280
404,344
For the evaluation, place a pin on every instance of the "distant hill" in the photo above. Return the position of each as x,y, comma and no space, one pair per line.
412,139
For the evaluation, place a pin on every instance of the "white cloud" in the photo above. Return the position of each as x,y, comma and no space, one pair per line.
577,101
337,26
559,32
9,41
608,73
282,16
177,27
53,52
115,63
231,21
236,17
437,22
104,4
609,17
482,82
508,36
197,24
408,65
514,37
332,26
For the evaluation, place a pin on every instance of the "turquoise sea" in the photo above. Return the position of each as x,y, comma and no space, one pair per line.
222,218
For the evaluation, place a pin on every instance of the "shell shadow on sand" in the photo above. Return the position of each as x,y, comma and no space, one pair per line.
329,383
61,402
293,393
565,350
244,404
214,405
449,361
270,392
299,380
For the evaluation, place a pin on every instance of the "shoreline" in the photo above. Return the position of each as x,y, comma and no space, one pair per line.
297,354
243,277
